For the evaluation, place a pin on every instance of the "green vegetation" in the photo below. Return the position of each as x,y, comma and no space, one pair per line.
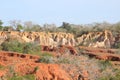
46,54
1,25
16,46
105,64
31,48
46,58
12,75
64,60
36,68
19,27
25,77
117,45
111,77
2,67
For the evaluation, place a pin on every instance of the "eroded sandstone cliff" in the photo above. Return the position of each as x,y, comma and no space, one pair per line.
97,39
103,39
42,38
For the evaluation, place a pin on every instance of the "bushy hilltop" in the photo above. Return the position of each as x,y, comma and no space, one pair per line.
79,29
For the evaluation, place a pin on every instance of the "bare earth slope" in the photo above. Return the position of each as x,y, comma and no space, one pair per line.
26,64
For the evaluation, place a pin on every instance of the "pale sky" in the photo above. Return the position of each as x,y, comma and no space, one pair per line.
58,11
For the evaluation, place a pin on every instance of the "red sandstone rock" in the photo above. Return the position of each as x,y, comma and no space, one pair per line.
101,54
26,64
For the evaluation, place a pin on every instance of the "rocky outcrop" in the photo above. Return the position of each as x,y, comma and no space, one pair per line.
97,39
43,72
101,54
26,64
42,38
103,39
61,49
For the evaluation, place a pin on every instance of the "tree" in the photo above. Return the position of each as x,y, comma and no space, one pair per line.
49,28
117,27
66,26
29,26
8,28
16,24
19,27
1,27
36,28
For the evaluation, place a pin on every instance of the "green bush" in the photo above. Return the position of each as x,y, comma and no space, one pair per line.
26,77
105,64
46,54
13,45
106,78
16,46
31,48
117,45
46,59
16,78
2,67
111,77
64,60
29,77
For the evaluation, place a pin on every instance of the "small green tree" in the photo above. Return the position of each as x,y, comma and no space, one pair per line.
66,26
1,27
7,28
31,48
19,27
12,46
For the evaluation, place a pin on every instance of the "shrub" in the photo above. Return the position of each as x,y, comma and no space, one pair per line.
111,77
117,45
31,48
16,78
46,54
2,67
105,64
63,60
25,77
46,59
29,77
36,68
12,46
16,46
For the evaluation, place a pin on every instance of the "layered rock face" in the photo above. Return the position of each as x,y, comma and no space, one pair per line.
103,39
42,38
97,39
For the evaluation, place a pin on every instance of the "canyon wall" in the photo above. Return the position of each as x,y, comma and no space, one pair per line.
103,39
42,38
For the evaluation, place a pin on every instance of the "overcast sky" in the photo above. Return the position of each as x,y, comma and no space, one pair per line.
58,11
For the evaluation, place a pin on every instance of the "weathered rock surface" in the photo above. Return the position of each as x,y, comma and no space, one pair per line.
97,39
103,39
44,71
26,64
42,38
102,54
61,49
